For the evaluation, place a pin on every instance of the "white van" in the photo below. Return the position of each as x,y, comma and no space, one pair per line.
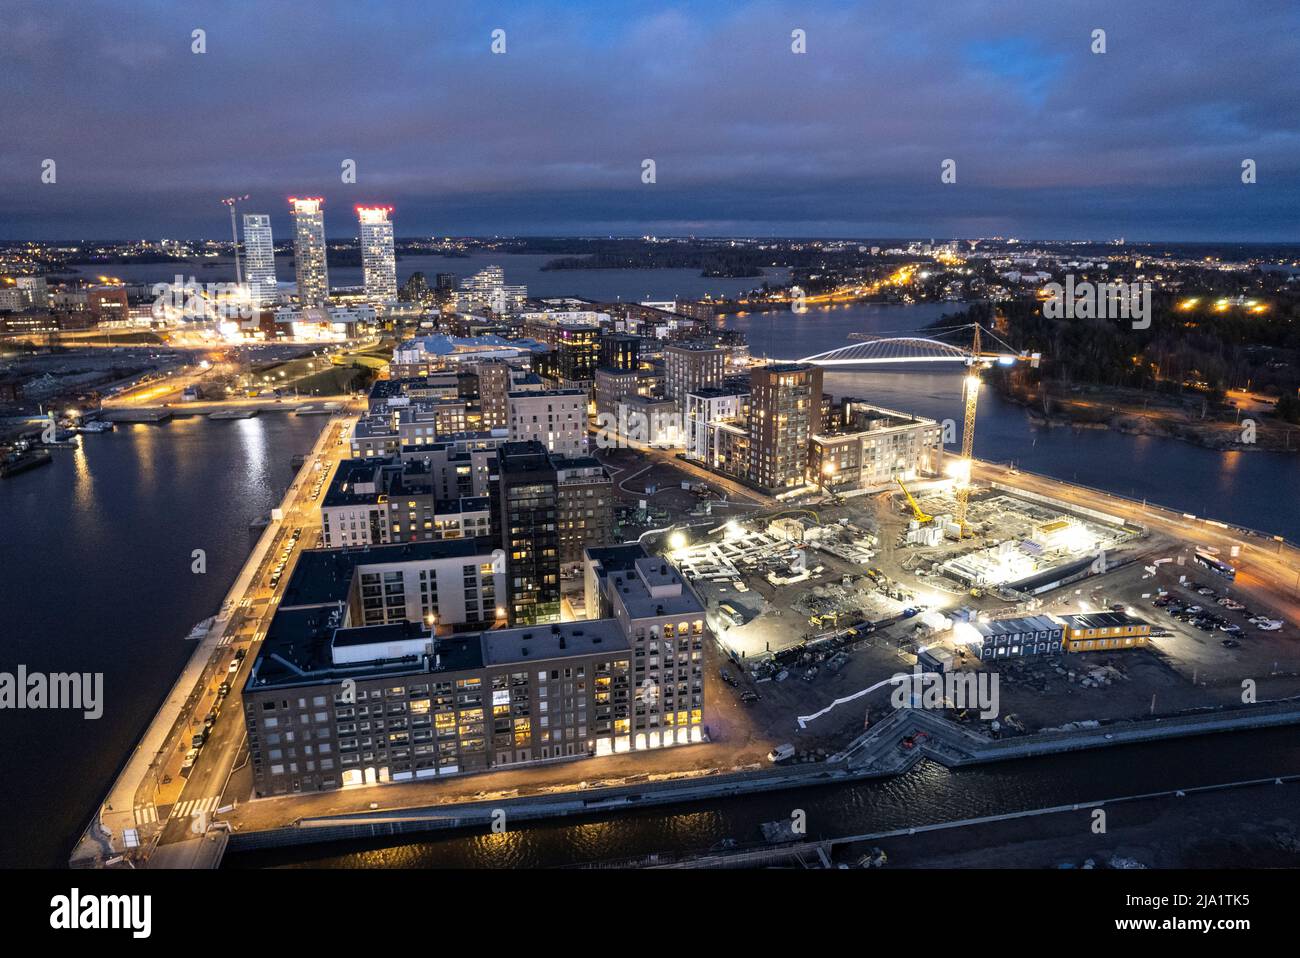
781,753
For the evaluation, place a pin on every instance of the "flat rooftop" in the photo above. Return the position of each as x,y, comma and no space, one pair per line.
299,648
1101,620
325,575
539,643
653,587
350,473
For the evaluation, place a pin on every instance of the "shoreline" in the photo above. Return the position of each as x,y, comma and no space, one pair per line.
1128,420
950,746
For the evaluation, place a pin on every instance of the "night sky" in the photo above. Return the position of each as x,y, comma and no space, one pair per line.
1051,140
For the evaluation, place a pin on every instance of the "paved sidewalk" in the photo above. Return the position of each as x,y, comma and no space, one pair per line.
107,835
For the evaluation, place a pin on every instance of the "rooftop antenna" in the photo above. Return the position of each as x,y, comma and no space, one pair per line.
234,233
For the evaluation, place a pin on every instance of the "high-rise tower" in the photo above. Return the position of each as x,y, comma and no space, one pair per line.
309,251
259,259
378,262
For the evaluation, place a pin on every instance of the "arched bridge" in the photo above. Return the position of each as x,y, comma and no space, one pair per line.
903,349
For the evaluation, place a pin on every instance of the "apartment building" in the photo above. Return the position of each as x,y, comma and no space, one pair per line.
664,623
872,447
375,502
585,506
784,415
690,367
340,707
496,380
452,583
333,702
557,418
705,410
528,500
573,355
619,351
612,386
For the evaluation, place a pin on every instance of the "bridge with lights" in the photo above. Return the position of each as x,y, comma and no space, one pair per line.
884,350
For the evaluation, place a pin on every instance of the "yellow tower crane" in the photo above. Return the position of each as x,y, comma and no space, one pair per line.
977,361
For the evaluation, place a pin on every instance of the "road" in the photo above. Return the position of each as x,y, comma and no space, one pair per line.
182,799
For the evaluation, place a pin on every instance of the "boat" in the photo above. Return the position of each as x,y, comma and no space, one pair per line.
200,629
22,459
96,425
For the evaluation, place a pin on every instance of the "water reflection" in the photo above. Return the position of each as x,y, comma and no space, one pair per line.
252,443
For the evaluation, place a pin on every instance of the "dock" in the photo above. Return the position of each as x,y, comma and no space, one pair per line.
142,414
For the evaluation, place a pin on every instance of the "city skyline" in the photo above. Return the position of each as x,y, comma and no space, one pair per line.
749,138
616,437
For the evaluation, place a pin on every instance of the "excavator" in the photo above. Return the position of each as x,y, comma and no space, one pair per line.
918,513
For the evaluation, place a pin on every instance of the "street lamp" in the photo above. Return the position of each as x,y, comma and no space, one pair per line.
828,470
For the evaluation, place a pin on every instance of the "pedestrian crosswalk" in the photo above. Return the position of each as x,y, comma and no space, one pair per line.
146,814
195,806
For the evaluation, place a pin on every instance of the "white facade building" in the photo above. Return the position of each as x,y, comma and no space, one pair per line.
310,268
378,262
557,418
259,259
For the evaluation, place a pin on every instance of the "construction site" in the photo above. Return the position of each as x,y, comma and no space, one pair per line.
843,593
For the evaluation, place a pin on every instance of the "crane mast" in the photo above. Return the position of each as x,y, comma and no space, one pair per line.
971,388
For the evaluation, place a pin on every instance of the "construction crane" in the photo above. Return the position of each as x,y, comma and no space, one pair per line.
231,201
971,391
917,346
977,360
919,514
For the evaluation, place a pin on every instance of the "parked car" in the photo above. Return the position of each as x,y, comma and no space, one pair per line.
749,697
190,758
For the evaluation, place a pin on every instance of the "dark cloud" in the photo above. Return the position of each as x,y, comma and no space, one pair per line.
1050,139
